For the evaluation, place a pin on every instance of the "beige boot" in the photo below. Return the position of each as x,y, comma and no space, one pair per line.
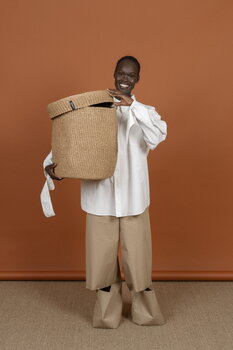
145,309
108,307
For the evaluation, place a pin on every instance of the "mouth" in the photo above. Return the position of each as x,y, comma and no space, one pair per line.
124,86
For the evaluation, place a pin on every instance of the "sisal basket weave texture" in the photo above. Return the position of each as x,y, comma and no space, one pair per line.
84,137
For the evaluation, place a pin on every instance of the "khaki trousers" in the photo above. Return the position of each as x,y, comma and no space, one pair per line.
103,235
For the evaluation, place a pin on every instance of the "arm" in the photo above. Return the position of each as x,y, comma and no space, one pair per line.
154,129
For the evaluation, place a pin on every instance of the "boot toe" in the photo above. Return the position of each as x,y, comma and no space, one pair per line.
145,309
108,308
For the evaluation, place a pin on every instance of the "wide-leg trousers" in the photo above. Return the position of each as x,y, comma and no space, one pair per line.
103,236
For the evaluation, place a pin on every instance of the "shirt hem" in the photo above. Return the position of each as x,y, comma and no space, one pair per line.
111,214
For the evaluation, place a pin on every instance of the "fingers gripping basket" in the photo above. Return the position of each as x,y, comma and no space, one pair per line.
84,135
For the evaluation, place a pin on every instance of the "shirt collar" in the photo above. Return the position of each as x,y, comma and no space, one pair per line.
133,97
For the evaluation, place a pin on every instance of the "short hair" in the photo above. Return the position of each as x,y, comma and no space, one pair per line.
130,58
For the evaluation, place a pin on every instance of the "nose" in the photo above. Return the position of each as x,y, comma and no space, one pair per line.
124,79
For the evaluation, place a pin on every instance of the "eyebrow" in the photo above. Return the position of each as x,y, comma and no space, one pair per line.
127,73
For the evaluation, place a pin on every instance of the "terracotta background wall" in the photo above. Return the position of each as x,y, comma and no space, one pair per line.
52,49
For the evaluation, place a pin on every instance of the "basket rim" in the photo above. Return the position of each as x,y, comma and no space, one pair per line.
74,102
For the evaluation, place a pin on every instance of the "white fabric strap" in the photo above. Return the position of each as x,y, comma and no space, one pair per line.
46,200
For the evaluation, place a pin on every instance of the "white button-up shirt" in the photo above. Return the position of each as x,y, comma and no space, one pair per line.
127,192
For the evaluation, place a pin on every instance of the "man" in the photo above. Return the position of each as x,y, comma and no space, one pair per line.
117,210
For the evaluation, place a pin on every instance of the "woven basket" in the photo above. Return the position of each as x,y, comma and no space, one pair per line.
84,135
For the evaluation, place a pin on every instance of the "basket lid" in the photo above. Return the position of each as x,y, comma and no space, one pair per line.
73,102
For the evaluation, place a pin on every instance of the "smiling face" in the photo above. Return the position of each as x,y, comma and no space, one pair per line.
126,76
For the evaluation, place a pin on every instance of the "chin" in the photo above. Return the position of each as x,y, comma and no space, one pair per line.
127,92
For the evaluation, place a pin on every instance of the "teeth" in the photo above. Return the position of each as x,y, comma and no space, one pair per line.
124,85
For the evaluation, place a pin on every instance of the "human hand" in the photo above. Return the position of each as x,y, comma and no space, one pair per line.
125,100
50,170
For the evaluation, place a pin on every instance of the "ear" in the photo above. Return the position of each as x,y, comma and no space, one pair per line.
138,78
